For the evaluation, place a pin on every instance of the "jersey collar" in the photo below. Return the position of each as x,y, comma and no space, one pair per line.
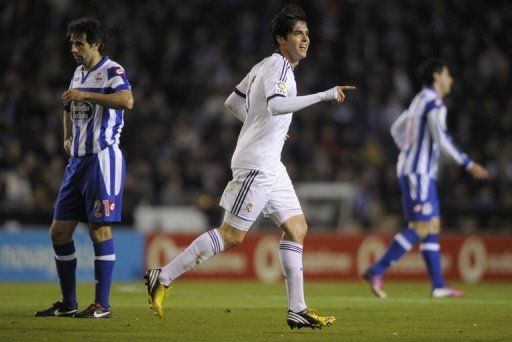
94,68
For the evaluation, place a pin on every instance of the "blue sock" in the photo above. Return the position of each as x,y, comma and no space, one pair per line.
65,260
401,244
430,249
104,261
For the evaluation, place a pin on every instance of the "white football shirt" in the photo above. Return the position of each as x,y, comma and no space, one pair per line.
262,136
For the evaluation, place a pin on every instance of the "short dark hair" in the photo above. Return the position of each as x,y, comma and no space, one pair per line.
283,22
92,28
427,69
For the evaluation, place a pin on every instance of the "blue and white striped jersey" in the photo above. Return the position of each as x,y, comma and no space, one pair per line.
421,134
96,127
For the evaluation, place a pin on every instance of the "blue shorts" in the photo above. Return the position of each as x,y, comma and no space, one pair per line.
92,188
419,197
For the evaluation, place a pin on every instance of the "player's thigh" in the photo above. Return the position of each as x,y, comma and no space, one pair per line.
103,186
283,202
419,198
247,194
70,204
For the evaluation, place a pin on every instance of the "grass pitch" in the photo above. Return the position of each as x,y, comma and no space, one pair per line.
248,311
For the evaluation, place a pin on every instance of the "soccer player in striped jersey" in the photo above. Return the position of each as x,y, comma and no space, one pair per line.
421,134
264,101
92,188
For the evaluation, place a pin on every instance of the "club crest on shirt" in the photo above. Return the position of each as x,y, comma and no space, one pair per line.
281,88
99,77
81,111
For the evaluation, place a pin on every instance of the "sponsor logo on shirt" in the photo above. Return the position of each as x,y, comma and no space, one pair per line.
81,111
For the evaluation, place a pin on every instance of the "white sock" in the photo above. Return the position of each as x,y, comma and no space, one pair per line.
201,249
290,255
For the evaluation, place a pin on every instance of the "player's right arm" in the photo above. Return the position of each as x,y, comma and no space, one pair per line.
277,83
236,101
398,130
437,125
68,138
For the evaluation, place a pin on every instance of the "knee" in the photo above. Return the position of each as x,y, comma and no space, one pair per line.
100,233
60,235
297,233
435,227
422,228
231,236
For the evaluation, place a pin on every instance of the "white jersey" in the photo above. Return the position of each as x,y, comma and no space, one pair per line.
262,136
421,134
96,127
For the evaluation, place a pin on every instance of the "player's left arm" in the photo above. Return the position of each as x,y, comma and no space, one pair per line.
122,99
437,125
281,104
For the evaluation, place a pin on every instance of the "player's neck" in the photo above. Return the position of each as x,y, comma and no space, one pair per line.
286,55
437,88
95,59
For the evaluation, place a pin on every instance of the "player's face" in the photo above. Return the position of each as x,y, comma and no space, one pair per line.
445,81
82,51
297,41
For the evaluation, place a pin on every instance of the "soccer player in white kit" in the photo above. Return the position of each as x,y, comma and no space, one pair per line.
264,101
421,134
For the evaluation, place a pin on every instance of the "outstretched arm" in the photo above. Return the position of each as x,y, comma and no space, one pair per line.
279,105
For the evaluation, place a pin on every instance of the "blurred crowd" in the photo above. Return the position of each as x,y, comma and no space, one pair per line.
183,59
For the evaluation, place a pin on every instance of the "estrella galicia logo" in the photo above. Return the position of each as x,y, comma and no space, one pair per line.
81,111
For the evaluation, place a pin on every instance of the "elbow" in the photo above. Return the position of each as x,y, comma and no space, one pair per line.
227,104
128,104
272,109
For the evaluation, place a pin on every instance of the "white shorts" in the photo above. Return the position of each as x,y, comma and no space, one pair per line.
254,191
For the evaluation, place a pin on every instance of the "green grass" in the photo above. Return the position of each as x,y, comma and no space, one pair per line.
247,311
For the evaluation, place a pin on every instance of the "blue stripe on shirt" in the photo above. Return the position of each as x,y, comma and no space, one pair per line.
428,107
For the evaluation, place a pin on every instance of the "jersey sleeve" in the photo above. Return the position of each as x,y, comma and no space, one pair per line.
275,79
437,125
399,130
242,87
117,79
